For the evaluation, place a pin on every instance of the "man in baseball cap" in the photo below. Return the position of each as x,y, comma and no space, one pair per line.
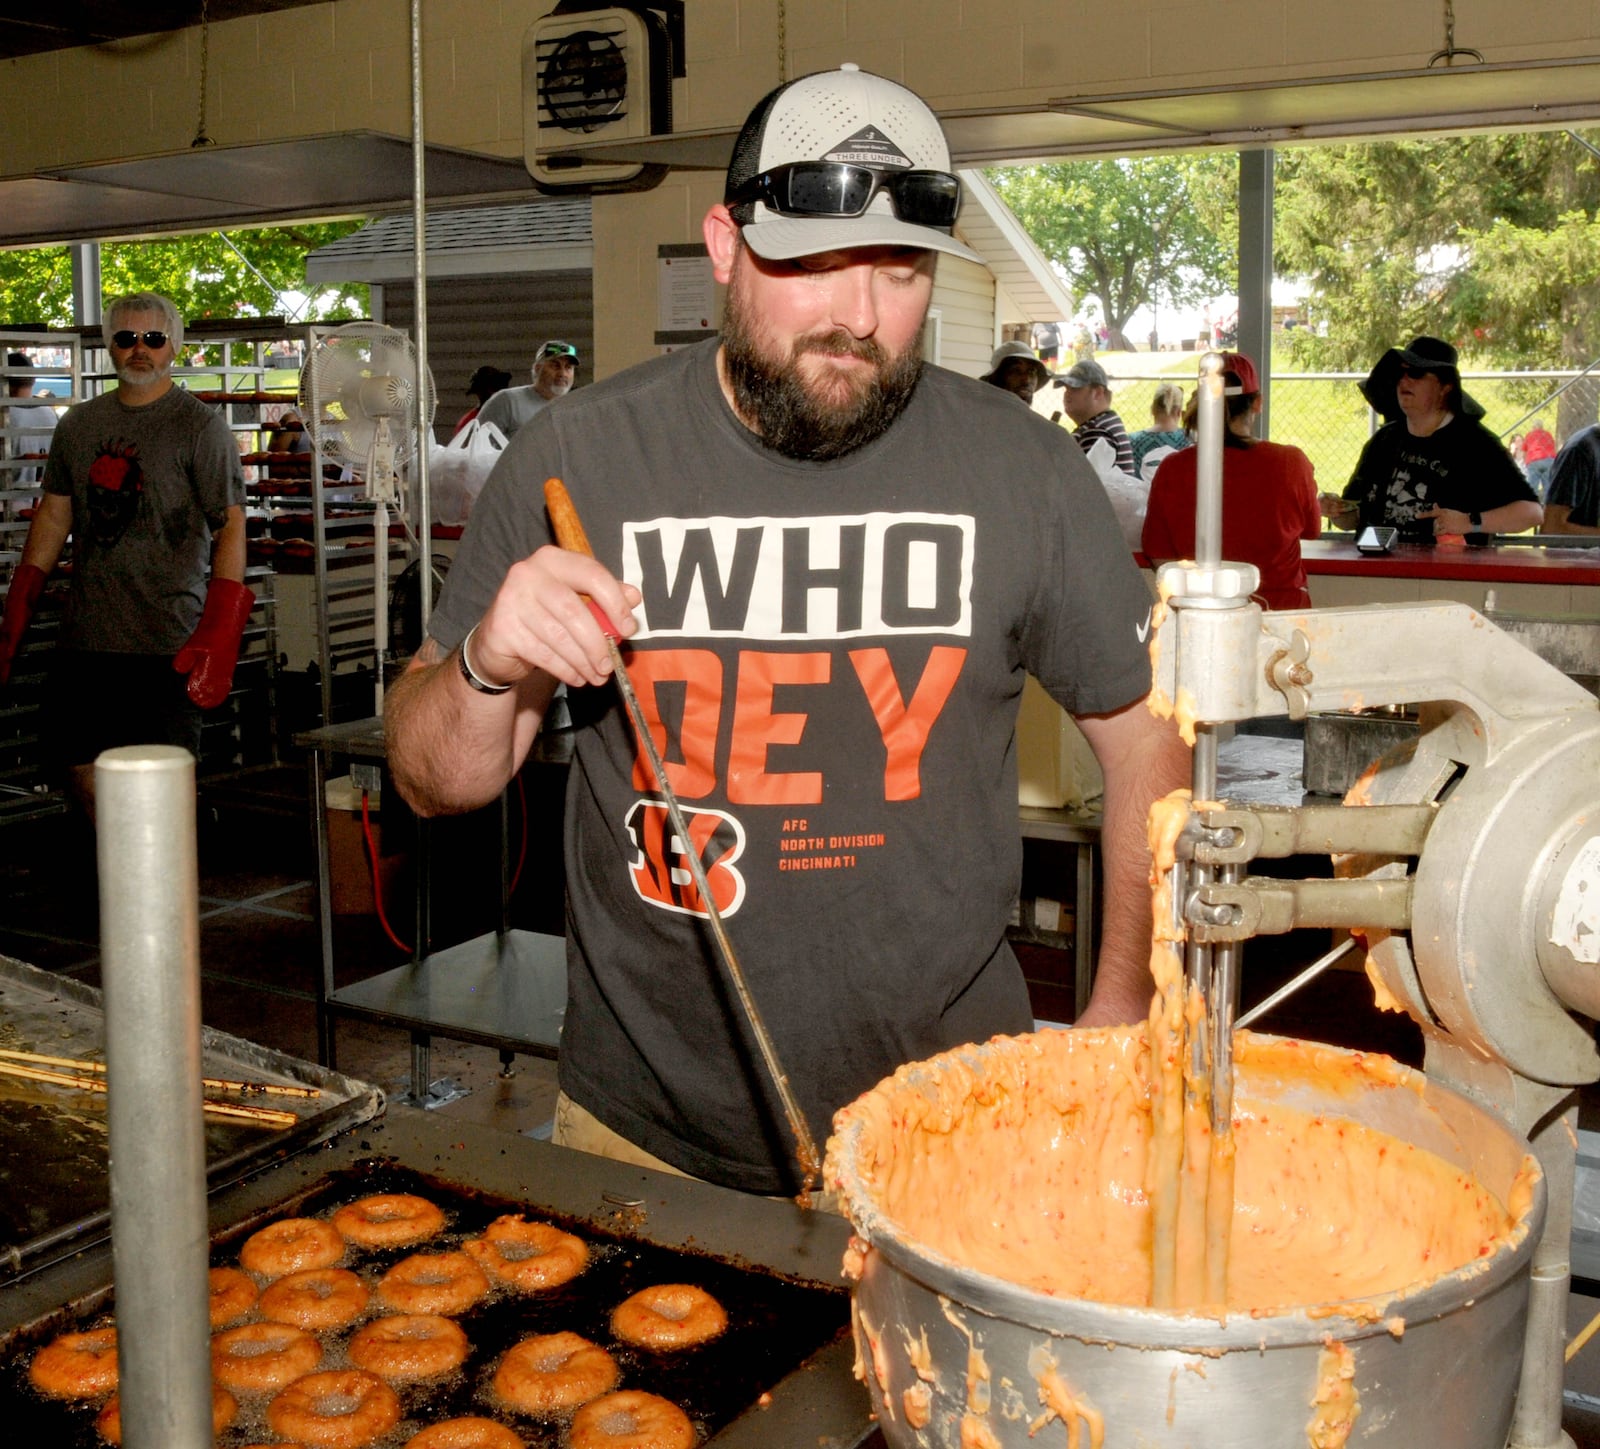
829,567
1087,393
555,369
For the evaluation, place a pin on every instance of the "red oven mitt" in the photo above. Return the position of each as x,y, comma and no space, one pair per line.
213,649
27,583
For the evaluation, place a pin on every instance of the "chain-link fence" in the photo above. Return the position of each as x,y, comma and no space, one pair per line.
1324,414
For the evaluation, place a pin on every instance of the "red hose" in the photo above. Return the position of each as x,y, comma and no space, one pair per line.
377,887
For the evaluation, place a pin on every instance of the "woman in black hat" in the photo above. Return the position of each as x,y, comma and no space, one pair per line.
1433,468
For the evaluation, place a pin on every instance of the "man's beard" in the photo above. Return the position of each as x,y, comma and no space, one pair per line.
143,375
773,398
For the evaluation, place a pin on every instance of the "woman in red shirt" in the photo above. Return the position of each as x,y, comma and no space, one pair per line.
1269,497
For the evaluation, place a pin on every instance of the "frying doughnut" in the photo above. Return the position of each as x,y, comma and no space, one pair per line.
262,1356
433,1283
668,1316
528,1256
338,1409
233,1294
409,1346
291,1245
631,1419
77,1365
388,1220
224,1406
315,1298
466,1434
554,1371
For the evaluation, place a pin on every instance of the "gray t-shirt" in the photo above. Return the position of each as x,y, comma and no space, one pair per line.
149,487
40,421
512,408
837,651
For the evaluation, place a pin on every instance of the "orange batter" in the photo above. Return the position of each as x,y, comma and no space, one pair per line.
1035,1171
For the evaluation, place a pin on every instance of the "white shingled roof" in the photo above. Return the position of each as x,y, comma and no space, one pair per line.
554,235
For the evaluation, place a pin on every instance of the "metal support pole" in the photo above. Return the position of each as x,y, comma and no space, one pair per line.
1211,420
150,954
87,303
1255,269
419,243
1537,1423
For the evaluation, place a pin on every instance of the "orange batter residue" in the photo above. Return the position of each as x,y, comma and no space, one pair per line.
1061,1402
1031,1164
1335,1403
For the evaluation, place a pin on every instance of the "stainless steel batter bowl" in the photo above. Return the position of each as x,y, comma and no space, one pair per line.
966,1352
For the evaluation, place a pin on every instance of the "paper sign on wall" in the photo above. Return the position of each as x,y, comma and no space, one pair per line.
686,295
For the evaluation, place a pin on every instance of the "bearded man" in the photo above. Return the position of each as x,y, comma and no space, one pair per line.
147,482
834,567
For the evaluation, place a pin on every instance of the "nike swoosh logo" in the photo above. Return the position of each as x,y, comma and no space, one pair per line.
1143,631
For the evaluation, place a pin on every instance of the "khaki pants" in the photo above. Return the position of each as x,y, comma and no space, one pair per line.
580,1129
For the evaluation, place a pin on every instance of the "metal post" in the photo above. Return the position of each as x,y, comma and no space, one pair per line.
1211,419
1537,1422
150,954
1255,268
419,243
87,304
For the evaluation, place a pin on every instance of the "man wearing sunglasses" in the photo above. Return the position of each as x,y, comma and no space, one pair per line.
835,567
555,369
146,481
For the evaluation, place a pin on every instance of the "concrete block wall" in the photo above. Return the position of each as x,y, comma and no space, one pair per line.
321,69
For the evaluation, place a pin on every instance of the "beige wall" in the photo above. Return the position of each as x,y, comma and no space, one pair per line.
346,66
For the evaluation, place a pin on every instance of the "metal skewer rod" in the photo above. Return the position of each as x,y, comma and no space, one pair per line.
570,535
1288,989
1215,969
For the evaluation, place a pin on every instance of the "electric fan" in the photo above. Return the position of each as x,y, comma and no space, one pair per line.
358,395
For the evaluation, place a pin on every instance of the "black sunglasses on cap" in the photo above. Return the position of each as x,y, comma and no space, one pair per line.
155,341
826,189
558,349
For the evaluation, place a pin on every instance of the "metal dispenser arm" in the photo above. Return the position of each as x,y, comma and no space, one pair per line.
1223,664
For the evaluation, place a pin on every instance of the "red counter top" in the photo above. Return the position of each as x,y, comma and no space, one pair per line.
1496,564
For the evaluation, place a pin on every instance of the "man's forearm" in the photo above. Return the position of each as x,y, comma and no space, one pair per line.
451,748
1153,763
230,547
47,534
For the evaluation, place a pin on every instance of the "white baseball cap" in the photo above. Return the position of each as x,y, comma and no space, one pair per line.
850,117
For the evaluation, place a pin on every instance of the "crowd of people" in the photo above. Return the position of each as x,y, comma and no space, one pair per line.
1431,468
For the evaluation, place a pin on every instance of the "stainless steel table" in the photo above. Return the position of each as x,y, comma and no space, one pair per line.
505,989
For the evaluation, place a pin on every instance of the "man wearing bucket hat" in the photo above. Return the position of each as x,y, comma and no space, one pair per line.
1014,367
834,566
1433,468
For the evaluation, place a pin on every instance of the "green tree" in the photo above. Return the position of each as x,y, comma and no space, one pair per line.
1132,232
1492,242
211,275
